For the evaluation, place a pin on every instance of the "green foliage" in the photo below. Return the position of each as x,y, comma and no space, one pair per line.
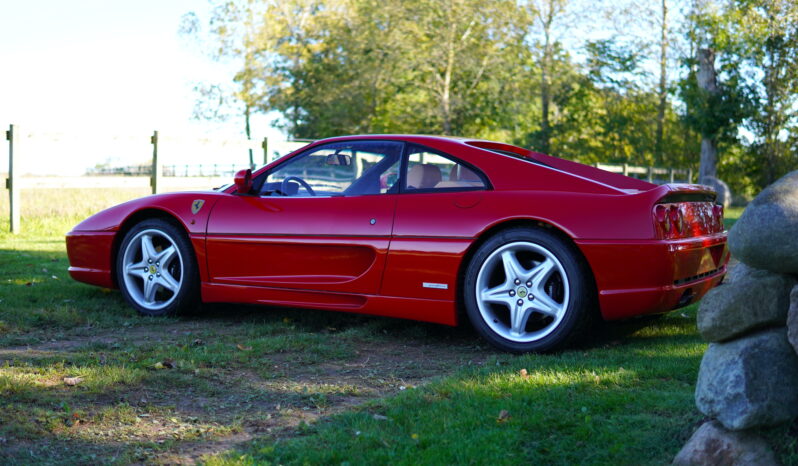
755,111
501,69
716,115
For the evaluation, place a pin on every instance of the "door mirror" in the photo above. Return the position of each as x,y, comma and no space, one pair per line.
243,181
339,159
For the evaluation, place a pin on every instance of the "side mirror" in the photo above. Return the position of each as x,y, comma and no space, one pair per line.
243,181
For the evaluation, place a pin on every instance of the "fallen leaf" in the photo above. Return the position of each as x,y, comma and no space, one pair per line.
414,436
158,365
72,381
243,348
503,416
380,417
524,374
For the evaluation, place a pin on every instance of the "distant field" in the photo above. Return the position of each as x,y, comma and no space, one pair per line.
246,385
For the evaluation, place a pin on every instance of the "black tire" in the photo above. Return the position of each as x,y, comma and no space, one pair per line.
173,285
562,275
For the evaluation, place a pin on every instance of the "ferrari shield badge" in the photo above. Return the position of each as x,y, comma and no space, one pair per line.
197,205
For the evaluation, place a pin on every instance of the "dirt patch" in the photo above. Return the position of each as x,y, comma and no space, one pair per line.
233,405
124,336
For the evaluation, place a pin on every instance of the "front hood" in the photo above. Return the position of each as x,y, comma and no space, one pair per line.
180,206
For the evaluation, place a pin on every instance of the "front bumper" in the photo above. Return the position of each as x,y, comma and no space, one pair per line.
89,255
649,277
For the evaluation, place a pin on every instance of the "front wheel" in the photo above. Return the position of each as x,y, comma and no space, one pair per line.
156,269
528,290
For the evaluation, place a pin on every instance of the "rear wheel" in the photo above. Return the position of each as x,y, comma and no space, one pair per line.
156,269
527,290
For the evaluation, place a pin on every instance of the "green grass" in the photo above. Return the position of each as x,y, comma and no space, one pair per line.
245,385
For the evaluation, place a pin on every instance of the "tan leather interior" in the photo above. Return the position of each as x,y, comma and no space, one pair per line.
461,177
423,176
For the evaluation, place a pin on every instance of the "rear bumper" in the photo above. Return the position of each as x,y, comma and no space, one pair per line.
89,255
650,277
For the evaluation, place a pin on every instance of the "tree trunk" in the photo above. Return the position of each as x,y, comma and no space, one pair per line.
545,91
545,98
663,84
707,81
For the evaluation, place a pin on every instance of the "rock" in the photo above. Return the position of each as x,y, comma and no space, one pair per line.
764,236
724,194
792,319
711,444
750,382
751,300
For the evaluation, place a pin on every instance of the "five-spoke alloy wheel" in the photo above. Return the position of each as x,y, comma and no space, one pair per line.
525,290
156,269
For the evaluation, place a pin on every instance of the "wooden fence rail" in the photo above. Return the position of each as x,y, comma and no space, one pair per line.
652,174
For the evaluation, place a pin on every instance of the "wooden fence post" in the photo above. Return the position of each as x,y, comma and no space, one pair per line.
625,170
13,181
155,177
265,145
671,175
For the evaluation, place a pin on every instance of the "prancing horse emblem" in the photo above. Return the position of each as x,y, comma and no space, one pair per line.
197,205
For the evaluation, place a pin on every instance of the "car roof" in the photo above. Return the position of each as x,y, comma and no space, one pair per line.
615,181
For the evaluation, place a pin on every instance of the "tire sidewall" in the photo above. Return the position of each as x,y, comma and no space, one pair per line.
188,294
578,306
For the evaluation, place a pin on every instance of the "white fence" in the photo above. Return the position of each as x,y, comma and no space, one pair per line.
34,159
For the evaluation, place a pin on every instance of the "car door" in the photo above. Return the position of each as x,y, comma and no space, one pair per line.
320,221
433,225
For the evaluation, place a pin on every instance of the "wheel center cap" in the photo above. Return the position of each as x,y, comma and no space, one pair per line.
521,292
153,269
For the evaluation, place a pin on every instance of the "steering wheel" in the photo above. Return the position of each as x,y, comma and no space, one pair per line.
284,185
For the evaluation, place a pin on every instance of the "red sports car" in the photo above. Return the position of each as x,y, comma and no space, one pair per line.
531,247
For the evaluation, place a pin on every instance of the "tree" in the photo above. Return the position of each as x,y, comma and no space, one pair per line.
768,34
550,18
663,81
756,44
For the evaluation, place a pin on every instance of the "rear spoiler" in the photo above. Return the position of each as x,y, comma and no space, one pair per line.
678,192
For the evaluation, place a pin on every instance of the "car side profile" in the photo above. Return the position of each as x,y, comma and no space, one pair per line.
529,247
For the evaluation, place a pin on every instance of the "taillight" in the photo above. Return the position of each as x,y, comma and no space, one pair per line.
662,221
661,214
677,219
669,221
717,214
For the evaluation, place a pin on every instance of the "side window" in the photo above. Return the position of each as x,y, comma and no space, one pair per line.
430,170
338,169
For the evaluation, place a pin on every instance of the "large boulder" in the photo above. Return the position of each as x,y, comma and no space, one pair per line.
750,382
724,194
751,300
711,444
765,235
792,319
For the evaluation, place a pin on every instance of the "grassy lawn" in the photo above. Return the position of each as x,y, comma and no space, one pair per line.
84,379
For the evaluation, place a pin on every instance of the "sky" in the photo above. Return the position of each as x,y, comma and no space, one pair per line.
82,74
